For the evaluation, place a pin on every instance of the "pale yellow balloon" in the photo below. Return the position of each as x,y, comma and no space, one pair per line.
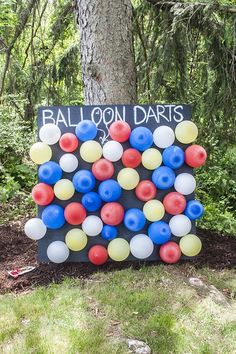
90,151
64,189
128,178
118,249
40,153
76,239
186,132
153,210
151,159
190,245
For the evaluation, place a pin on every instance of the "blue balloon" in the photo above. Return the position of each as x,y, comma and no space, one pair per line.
91,201
83,181
163,177
134,219
159,232
86,130
49,172
141,138
194,210
53,216
173,157
109,190
109,232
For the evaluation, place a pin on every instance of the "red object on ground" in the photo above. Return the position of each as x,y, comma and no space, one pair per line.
170,252
174,203
112,213
68,142
75,213
42,194
98,255
131,158
103,169
145,190
120,131
195,156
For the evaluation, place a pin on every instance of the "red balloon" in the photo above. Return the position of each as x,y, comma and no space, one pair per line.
98,255
145,190
131,158
170,252
174,203
103,169
112,213
75,213
42,194
120,131
68,142
195,155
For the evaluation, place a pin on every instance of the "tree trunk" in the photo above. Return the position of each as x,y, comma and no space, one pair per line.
107,51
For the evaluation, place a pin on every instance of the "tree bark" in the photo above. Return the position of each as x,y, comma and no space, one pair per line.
107,51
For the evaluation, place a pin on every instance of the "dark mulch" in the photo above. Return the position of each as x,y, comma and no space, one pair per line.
16,250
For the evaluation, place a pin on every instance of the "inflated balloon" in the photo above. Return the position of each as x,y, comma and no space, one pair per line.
145,190
195,156
170,252
120,131
64,189
75,213
159,232
134,219
163,137
40,153
50,172
42,194
49,134
83,181
92,225
68,163
185,183
186,132
86,130
141,138
173,157
76,240
53,216
103,169
180,225
131,158
190,245
128,178
90,151
153,210
58,252
163,177
194,210
118,249
174,203
68,142
98,255
112,151
151,159
109,190
35,229
91,201
112,213
109,232
141,246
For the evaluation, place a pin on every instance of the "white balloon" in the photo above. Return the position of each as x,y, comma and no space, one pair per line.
180,225
185,183
35,229
112,151
92,225
58,252
49,133
141,246
68,162
163,136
